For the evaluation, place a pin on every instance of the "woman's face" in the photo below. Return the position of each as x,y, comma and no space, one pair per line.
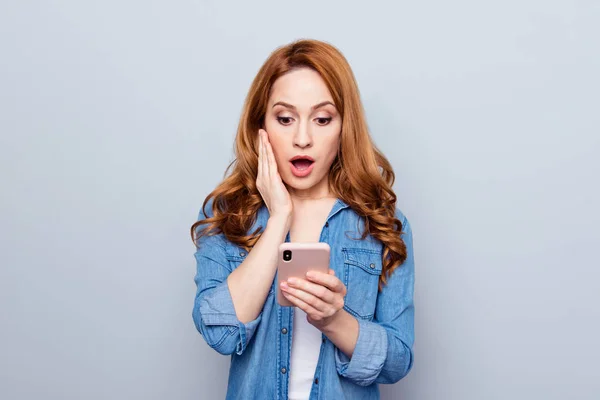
301,120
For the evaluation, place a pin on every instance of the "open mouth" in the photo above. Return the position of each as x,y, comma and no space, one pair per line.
302,164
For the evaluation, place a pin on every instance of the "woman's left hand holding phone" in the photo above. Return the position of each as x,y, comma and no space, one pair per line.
320,296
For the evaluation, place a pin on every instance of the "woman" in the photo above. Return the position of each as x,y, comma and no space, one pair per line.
306,170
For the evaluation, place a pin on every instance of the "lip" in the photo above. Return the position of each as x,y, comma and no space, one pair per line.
301,173
302,157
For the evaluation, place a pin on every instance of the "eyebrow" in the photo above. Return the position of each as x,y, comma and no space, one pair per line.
287,105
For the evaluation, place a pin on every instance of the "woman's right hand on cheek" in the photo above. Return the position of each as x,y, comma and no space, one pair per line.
269,183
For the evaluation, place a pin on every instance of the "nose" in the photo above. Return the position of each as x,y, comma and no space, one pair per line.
302,137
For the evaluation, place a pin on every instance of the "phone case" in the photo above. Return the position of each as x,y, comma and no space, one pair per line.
313,256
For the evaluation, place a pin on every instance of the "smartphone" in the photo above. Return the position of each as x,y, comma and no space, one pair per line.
296,259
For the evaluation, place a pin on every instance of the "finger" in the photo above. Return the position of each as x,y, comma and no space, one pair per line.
265,161
316,295
271,158
259,154
328,280
307,308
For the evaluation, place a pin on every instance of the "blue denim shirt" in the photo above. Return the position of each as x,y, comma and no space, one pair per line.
260,349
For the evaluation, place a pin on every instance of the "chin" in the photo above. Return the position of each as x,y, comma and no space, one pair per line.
300,183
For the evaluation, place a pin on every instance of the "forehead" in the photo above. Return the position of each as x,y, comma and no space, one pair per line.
302,87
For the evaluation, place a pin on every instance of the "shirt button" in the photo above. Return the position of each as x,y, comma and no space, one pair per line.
283,370
316,381
372,265
242,253
284,331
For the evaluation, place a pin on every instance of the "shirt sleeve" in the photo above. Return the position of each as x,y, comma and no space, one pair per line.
383,351
213,313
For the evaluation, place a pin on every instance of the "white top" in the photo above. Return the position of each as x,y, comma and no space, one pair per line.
306,345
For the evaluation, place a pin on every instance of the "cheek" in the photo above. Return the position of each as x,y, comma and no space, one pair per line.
332,149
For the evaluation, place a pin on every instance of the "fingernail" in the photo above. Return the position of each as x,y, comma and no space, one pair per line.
284,285
292,281
310,274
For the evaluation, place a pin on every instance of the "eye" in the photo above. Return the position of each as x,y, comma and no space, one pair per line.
323,121
284,120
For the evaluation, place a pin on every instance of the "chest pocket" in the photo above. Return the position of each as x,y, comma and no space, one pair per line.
362,268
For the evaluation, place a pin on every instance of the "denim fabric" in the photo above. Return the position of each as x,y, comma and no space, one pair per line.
260,349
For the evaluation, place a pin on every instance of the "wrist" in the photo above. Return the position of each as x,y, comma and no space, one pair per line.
334,323
281,220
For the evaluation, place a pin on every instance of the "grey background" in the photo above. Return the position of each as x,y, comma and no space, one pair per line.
117,119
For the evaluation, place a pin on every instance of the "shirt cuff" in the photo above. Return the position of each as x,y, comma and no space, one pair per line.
217,308
368,357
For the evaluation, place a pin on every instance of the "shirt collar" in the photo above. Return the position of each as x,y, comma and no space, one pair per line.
337,206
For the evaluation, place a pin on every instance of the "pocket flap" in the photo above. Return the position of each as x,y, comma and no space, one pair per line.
368,260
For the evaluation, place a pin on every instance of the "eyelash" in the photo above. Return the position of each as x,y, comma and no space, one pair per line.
328,119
